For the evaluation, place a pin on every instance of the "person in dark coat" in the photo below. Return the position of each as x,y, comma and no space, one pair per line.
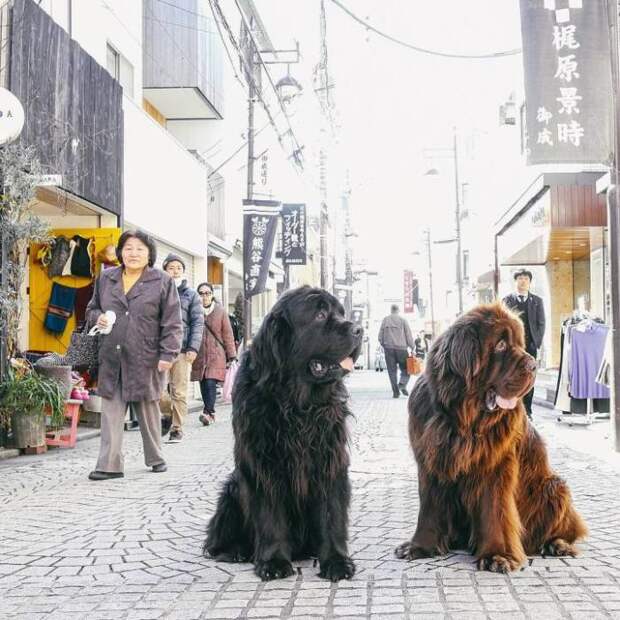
532,314
217,351
135,357
175,399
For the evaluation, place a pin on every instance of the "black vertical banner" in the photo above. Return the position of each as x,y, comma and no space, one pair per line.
294,234
260,222
566,59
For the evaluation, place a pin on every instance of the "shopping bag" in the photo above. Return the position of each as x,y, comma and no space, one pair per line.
83,351
229,381
414,365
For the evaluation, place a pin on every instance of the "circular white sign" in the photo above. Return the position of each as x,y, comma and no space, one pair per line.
11,116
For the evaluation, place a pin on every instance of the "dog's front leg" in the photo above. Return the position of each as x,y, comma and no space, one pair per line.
497,525
272,556
332,517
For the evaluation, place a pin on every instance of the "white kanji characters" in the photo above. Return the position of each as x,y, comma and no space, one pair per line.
252,283
255,271
259,226
544,137
543,115
569,100
258,243
564,36
567,68
570,132
256,257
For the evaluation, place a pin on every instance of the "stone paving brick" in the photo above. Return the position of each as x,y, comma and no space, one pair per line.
132,548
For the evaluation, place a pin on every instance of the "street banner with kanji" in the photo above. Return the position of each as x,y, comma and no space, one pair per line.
568,96
294,234
260,222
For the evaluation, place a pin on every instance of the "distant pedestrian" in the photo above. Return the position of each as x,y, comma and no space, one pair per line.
396,339
193,325
532,315
217,351
135,357
421,345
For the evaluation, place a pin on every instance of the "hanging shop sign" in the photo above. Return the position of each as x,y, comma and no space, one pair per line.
568,93
11,116
294,234
260,222
408,292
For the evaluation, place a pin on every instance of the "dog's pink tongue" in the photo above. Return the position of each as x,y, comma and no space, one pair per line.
506,403
347,364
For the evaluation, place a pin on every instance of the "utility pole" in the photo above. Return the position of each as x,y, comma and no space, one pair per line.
429,255
247,300
613,222
457,213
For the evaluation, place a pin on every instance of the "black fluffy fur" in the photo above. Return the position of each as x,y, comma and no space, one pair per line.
288,496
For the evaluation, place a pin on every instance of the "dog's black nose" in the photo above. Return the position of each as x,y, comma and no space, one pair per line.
530,364
356,330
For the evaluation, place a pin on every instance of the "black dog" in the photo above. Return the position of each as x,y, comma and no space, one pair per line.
288,496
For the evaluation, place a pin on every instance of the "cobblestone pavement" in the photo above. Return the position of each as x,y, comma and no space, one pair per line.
130,548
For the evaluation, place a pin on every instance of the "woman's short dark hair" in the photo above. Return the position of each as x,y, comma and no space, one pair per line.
209,286
142,236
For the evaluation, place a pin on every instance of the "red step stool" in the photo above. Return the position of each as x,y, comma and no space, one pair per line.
66,437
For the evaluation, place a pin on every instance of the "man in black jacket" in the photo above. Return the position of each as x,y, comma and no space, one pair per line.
193,325
532,314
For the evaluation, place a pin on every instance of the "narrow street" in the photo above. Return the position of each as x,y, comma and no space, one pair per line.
131,548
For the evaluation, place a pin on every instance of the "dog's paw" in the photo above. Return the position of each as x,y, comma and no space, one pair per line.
337,568
558,547
408,551
276,568
498,563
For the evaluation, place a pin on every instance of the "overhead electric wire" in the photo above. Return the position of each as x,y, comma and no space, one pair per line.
423,50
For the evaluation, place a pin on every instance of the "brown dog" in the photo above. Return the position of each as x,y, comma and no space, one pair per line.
485,481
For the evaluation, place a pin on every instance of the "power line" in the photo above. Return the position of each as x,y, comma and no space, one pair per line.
422,50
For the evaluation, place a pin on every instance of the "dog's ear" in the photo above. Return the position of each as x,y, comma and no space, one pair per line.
271,347
454,362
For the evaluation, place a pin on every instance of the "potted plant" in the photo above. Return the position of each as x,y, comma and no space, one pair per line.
26,398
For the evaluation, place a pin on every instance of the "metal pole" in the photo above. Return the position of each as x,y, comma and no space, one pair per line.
247,324
427,232
457,213
4,285
613,219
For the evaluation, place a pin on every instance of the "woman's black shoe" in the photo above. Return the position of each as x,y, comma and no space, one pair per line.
105,475
159,468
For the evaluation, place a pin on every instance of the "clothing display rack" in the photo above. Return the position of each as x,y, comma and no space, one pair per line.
579,394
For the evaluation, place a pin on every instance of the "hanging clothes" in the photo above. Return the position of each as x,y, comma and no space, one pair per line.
59,256
587,351
81,259
82,297
60,308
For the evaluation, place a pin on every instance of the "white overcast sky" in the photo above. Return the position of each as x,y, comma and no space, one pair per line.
393,102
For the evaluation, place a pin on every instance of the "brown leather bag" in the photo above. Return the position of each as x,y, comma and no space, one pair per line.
414,365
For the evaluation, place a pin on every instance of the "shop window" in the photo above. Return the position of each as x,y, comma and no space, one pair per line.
120,69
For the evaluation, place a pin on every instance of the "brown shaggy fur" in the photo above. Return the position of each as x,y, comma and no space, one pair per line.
484,477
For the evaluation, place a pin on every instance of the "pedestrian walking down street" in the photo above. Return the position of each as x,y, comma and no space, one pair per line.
532,314
422,345
396,339
135,357
174,399
217,351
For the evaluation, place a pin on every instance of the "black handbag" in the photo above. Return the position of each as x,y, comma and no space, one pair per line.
83,351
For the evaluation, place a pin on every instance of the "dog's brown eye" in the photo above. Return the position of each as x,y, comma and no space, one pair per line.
501,346
321,315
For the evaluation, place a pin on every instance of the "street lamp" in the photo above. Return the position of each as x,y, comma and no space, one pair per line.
457,214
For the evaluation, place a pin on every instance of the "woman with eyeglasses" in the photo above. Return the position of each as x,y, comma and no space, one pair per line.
217,351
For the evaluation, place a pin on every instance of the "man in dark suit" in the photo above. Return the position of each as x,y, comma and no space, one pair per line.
532,314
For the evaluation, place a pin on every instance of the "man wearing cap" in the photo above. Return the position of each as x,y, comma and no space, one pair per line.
532,314
193,325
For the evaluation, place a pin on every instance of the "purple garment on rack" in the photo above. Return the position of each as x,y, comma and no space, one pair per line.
587,351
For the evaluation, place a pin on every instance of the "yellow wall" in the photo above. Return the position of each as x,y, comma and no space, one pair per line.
40,339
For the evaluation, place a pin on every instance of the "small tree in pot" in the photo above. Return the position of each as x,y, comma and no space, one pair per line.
26,398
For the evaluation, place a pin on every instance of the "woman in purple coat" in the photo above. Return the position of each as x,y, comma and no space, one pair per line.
216,352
